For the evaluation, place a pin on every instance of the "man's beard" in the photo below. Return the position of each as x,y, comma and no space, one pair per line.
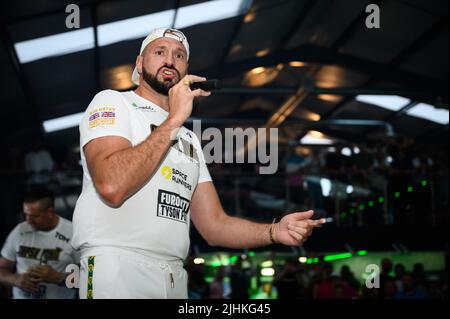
162,87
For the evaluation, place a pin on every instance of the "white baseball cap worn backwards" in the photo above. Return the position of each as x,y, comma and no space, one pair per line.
161,33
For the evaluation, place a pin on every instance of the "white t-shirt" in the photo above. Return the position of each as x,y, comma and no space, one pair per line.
28,247
39,161
156,219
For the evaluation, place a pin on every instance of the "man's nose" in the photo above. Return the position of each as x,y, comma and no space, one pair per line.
169,60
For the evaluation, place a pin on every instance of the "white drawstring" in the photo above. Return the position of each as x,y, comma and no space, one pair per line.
164,266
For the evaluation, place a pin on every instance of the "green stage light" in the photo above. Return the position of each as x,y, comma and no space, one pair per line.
397,194
337,256
268,272
251,254
361,206
362,252
424,183
380,199
410,189
371,203
233,259
267,264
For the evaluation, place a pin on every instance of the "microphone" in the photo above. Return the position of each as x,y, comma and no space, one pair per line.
208,85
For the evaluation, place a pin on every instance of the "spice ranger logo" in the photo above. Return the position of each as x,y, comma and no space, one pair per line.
177,176
145,108
172,206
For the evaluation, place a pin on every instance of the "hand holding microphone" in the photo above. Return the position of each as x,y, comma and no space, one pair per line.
208,85
181,98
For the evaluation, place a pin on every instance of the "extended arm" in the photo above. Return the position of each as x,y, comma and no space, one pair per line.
220,229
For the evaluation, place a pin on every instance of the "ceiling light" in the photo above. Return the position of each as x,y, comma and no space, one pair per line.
346,151
310,140
249,17
63,122
262,53
329,97
429,112
54,45
297,64
209,11
316,134
325,183
258,70
349,189
127,29
260,76
389,102
313,116
119,77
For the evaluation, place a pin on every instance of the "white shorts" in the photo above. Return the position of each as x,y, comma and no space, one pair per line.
124,274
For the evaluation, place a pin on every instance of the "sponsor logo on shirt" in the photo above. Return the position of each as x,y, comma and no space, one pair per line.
166,172
177,176
39,253
187,148
102,116
62,237
183,146
145,108
172,206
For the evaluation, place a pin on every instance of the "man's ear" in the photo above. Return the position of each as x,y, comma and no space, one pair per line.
139,64
51,210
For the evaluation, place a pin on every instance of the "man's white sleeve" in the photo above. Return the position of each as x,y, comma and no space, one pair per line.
9,249
106,115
